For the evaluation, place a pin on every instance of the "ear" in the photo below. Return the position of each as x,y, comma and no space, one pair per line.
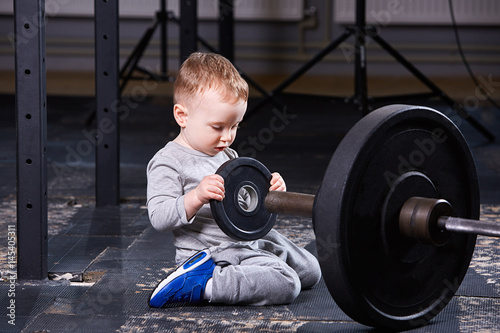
180,115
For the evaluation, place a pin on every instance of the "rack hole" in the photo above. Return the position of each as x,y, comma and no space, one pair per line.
29,161
29,205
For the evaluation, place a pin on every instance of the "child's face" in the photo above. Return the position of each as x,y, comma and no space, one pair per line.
210,125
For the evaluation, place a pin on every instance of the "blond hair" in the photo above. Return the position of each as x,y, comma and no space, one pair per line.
202,72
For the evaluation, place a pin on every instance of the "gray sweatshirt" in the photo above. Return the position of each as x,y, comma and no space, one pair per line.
172,173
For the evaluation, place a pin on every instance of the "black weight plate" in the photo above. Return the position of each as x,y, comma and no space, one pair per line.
378,277
242,214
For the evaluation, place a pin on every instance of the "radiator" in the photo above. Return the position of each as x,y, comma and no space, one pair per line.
420,12
281,10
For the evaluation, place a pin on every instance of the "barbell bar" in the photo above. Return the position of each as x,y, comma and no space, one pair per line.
289,203
391,248
417,218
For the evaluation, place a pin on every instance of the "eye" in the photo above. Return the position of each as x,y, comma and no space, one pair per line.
216,127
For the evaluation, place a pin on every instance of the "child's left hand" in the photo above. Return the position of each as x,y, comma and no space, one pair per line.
277,183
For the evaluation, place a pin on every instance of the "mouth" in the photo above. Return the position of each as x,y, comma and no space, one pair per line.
219,149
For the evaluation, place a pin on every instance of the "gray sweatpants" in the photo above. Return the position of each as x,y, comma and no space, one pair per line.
272,270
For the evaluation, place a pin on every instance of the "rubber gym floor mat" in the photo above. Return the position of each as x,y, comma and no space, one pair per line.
317,304
189,324
448,320
33,298
125,288
87,316
89,321
483,275
102,306
93,231
153,245
73,254
477,285
185,323
478,314
111,221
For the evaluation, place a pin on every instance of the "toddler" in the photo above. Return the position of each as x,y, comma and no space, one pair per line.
210,100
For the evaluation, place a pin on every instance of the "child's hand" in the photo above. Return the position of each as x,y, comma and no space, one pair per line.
210,187
277,183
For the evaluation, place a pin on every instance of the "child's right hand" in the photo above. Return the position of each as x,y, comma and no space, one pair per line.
210,187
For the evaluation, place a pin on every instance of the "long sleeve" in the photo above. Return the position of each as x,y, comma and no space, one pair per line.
165,195
173,172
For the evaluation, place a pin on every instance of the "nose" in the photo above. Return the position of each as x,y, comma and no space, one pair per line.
226,135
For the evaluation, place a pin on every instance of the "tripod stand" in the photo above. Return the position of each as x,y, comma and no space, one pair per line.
162,17
132,62
360,31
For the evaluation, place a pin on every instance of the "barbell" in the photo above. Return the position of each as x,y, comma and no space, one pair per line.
395,217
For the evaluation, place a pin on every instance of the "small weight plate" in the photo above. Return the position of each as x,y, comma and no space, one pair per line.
242,214
377,276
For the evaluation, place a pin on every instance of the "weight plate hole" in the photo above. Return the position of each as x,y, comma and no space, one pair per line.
248,199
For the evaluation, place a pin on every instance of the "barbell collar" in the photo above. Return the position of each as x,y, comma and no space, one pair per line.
289,203
431,220
418,219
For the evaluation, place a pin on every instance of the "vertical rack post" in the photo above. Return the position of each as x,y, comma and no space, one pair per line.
163,18
107,102
31,124
226,29
188,28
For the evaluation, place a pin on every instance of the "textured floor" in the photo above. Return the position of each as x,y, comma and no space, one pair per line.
105,262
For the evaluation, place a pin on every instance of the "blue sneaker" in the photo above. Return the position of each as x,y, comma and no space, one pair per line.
186,284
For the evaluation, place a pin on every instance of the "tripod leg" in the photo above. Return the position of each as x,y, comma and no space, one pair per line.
419,75
135,56
313,61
